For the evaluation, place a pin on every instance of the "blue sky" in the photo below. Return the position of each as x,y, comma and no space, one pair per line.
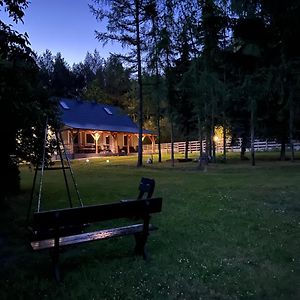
65,26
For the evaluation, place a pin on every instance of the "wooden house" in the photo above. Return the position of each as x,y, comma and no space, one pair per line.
95,129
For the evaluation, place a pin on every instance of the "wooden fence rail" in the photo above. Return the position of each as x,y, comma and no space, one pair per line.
194,146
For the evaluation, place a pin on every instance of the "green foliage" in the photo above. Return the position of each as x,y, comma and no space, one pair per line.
95,92
14,8
24,103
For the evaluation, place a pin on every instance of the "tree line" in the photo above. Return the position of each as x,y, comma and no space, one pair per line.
229,63
191,66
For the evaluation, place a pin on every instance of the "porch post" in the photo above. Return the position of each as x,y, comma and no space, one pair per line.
115,139
137,136
152,138
128,140
96,138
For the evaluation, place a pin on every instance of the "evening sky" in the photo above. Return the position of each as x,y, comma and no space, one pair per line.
65,26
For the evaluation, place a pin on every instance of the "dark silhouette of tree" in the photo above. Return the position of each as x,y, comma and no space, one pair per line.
126,25
167,44
155,67
24,102
116,80
61,77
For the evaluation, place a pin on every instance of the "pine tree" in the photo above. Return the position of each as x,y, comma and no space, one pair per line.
127,25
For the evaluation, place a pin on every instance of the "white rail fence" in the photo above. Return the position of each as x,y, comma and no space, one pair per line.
194,146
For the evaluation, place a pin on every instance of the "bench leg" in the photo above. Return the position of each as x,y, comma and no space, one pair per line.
140,242
55,263
54,253
141,238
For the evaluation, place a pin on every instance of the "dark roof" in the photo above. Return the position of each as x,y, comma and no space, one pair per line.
81,114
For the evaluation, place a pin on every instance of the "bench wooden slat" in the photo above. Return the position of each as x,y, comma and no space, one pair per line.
47,233
96,213
90,236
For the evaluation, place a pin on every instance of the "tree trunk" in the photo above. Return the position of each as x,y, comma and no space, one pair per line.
243,147
172,144
282,150
224,140
224,81
208,144
213,147
252,131
158,115
158,140
200,137
140,88
291,128
154,22
207,131
186,150
252,147
202,161
212,140
292,147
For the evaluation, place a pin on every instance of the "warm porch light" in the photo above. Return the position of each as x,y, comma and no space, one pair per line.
216,138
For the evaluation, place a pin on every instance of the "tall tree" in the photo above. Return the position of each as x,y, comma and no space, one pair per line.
45,63
250,37
152,11
184,106
57,77
61,78
167,43
210,28
126,25
23,101
116,81
283,65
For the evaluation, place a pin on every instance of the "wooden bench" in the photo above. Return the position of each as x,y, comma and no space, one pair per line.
64,227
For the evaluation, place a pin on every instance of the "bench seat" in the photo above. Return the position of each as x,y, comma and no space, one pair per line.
90,236
54,229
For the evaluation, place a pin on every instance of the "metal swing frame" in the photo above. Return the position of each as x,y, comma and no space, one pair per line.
40,166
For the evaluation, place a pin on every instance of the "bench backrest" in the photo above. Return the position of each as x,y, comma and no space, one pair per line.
146,186
96,213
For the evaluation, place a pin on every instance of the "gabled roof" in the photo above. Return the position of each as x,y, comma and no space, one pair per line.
81,114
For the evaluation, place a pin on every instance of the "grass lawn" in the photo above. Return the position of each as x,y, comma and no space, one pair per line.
232,232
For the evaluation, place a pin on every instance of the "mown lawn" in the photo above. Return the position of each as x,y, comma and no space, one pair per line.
232,232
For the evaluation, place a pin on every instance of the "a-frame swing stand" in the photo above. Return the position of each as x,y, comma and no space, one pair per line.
42,166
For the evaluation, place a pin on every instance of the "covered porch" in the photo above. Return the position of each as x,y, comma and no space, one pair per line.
82,143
